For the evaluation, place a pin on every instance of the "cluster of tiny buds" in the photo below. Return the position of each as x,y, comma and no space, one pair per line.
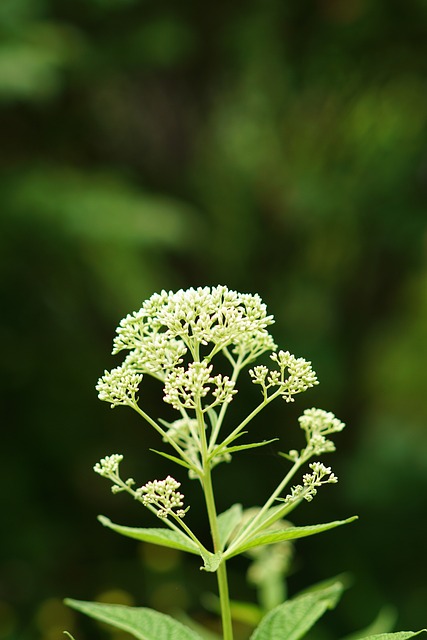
184,387
320,421
300,375
164,495
204,315
320,475
119,386
316,423
109,466
168,325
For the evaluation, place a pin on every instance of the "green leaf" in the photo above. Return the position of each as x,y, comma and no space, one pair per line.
173,458
245,522
398,635
248,446
291,620
227,522
344,579
163,537
142,623
279,535
221,448
167,538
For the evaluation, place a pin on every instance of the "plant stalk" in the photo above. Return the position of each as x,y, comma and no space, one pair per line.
227,628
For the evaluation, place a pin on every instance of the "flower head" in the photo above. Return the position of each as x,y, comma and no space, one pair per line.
119,386
318,423
108,466
310,482
184,388
163,494
293,375
194,317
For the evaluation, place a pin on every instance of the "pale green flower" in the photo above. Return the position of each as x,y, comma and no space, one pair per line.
156,355
119,386
201,316
294,375
185,388
164,495
108,466
311,481
317,423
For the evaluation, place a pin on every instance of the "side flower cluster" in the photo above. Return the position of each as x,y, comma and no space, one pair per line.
294,375
310,482
162,495
119,386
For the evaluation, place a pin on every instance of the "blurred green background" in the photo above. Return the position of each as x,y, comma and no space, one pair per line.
278,147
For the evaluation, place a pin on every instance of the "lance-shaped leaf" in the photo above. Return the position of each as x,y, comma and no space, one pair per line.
167,538
142,623
246,522
292,619
279,535
163,537
398,635
228,521
173,458
252,445
223,447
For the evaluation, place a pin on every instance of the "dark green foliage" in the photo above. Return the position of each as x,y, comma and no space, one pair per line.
276,147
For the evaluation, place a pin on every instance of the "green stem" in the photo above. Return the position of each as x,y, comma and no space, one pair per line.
227,628
215,432
203,550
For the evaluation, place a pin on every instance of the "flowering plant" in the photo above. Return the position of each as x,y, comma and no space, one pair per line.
178,338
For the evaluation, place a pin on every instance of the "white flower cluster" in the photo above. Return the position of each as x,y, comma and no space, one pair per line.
156,355
119,386
109,466
321,475
204,315
164,495
170,325
318,423
299,375
183,387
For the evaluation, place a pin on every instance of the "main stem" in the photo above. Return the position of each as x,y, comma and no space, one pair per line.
227,628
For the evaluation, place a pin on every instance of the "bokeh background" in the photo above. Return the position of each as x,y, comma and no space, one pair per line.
278,147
